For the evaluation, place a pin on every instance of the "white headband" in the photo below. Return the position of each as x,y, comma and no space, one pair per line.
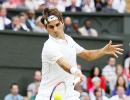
50,18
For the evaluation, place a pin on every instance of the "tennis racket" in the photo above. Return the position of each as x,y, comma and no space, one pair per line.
59,90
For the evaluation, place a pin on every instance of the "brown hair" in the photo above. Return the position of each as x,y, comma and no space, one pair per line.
48,12
117,82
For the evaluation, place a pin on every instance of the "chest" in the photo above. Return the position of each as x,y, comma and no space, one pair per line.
67,49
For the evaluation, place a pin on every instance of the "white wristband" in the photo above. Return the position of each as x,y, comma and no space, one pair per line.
73,70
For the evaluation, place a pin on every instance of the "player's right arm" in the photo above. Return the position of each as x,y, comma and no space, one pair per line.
63,63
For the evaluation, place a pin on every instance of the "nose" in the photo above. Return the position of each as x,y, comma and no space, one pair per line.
55,29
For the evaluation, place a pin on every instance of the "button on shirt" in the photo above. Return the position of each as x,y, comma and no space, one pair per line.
52,73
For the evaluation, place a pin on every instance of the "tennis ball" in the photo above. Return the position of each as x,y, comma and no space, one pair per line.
57,96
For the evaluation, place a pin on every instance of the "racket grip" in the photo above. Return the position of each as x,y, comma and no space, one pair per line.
76,80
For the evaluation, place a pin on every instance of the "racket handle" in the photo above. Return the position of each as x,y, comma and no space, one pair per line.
76,80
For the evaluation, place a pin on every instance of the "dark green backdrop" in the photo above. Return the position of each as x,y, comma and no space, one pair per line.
20,55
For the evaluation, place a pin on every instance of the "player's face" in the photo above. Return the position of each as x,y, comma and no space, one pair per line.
55,28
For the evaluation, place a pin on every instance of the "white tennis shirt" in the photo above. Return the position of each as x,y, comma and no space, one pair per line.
51,72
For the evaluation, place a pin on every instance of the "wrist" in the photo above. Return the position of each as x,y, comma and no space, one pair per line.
73,70
103,51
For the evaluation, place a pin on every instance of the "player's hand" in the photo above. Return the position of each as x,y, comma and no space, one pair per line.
113,49
80,75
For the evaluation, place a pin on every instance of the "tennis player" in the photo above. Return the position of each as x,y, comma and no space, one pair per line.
59,57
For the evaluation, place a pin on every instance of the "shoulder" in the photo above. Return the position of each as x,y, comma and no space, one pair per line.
20,97
7,96
82,28
114,97
102,78
127,59
106,67
94,30
105,98
68,37
68,8
49,44
31,85
78,8
8,26
7,20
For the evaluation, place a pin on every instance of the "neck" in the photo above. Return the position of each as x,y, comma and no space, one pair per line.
14,94
61,36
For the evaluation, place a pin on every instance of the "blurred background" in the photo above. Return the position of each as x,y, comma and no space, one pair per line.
92,23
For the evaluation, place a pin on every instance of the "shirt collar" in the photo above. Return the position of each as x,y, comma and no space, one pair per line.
59,40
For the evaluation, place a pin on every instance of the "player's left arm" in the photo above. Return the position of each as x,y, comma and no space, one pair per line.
109,49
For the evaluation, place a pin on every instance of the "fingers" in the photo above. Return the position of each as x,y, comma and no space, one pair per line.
119,49
117,45
119,52
110,42
115,55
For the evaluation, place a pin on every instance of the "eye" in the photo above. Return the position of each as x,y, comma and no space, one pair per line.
51,27
57,24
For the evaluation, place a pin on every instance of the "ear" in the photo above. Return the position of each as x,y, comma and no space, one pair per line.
62,22
45,26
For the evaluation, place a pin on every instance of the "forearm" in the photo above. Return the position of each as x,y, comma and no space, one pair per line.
92,54
64,64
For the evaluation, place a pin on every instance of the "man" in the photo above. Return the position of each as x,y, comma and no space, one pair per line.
14,93
73,7
30,22
108,9
59,57
87,29
68,25
32,88
109,72
14,25
119,5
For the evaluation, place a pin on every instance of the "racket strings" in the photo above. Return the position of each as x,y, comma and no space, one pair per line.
60,89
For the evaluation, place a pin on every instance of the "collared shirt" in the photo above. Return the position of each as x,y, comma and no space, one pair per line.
11,97
52,73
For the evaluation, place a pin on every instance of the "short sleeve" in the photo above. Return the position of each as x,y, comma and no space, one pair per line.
52,53
78,48
30,87
127,63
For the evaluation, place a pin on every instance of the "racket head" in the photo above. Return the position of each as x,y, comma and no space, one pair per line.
58,92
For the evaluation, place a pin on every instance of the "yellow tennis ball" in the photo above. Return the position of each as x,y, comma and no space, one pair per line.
57,96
